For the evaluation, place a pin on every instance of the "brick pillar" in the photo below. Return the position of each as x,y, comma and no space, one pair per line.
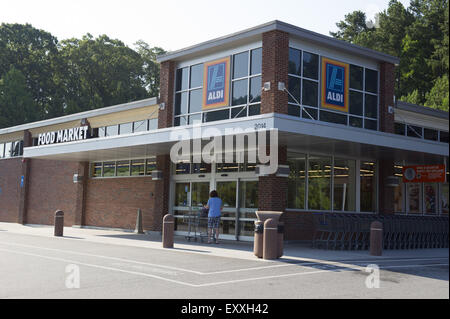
275,63
160,205
167,80
386,193
387,85
272,189
23,196
80,204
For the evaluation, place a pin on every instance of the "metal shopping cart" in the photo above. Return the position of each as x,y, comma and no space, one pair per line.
197,225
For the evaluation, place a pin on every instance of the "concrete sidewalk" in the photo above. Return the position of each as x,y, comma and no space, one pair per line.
231,249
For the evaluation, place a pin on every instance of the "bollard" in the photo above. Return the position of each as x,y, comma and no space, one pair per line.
376,238
280,238
139,229
258,240
168,230
270,241
59,223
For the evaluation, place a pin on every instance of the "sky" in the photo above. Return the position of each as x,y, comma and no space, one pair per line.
174,25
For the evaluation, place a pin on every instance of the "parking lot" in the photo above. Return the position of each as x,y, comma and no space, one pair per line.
108,264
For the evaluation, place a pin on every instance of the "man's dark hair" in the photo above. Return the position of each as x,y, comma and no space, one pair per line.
213,194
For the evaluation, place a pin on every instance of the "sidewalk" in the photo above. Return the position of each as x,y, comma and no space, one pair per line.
230,249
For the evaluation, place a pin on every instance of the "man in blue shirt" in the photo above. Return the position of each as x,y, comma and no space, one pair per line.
215,209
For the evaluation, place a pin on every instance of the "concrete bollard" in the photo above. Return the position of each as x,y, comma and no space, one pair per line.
168,230
376,238
258,240
139,228
280,238
270,241
59,223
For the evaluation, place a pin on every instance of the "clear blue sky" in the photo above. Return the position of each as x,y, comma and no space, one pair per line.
176,24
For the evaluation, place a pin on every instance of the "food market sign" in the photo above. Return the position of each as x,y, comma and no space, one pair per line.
424,174
62,136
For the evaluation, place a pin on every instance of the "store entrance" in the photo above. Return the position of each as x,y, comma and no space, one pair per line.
239,197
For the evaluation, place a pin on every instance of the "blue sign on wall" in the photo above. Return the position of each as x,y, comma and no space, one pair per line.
216,79
335,85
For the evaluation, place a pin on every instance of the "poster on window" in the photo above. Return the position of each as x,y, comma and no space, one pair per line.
216,79
424,174
335,83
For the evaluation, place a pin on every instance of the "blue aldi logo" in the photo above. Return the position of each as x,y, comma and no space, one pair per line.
335,77
216,77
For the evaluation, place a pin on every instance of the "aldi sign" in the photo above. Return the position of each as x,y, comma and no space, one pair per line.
335,82
216,77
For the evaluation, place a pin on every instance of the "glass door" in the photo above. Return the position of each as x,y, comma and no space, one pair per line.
227,191
189,198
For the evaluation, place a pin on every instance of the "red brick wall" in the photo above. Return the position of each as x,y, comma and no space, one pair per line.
167,80
275,62
10,172
298,225
387,84
114,202
51,188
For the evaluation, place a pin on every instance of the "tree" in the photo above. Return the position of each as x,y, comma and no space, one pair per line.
151,66
16,101
352,27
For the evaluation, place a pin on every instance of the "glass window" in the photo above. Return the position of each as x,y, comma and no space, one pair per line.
123,168
414,131
200,194
181,194
227,193
414,198
371,81
370,107
310,65
430,134
255,89
201,168
109,169
248,195
370,124
196,76
368,187
112,130
319,183
310,93
297,182
294,88
140,126
333,117
182,79
344,196
239,92
398,190
356,77
153,124
96,169
181,106
254,109
294,110
431,201
150,166
227,167
399,128
309,113
138,167
195,101
443,136
444,198
101,131
8,147
256,61
17,148
126,128
295,61
182,168
356,103
216,116
2,150
240,65
180,121
240,111
355,121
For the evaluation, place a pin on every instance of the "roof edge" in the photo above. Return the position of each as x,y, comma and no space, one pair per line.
425,110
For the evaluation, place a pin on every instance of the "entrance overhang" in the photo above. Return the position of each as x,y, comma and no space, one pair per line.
297,134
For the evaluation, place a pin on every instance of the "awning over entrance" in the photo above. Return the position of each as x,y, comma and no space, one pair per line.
297,134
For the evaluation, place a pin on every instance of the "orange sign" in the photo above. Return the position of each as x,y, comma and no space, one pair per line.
424,174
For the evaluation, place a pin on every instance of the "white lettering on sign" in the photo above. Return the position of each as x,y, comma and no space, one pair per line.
67,135
337,97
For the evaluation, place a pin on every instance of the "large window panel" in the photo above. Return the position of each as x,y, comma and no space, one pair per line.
240,65
240,92
356,77
310,93
196,76
256,61
181,103
123,168
371,106
294,88
371,82
255,89
182,79
295,64
356,103
297,182
195,101
368,186
319,183
344,174
310,65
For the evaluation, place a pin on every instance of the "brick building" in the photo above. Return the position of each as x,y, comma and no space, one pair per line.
344,145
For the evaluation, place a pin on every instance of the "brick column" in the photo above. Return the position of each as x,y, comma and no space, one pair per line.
23,195
272,189
166,92
387,85
275,63
80,201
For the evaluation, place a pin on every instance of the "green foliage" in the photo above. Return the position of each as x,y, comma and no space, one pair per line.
418,35
70,76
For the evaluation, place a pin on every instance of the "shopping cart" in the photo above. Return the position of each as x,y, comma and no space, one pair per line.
197,225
